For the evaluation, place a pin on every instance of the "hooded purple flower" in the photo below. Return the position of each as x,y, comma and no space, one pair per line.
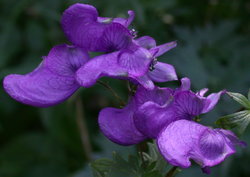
183,140
151,116
152,110
136,63
83,27
125,58
52,81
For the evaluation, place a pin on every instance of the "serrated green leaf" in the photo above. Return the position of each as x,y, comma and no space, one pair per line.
102,165
240,99
239,120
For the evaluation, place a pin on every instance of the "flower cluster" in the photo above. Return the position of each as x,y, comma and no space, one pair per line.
164,114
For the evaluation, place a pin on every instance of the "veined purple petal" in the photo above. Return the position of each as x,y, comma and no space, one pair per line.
51,82
212,100
64,60
164,48
146,42
114,37
151,118
183,140
41,88
100,66
80,25
125,64
118,125
188,105
162,72
158,95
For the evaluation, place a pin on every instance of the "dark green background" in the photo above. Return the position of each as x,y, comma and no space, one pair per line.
213,50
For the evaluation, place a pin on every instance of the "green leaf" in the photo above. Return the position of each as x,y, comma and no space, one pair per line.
101,167
240,99
239,120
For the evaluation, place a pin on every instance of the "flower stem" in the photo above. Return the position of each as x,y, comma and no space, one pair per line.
113,92
81,123
171,172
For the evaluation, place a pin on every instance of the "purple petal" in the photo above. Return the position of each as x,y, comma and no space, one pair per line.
136,60
160,96
144,81
163,72
151,118
185,84
126,64
80,25
202,92
188,105
100,66
146,42
212,100
41,88
114,37
118,125
125,21
64,60
164,48
184,140
51,82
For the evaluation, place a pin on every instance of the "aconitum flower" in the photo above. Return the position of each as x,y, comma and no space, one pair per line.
125,57
136,63
83,27
152,116
52,82
184,140
149,111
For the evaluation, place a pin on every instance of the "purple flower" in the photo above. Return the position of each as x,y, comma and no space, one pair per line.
83,27
150,111
52,81
136,63
152,116
183,140
125,58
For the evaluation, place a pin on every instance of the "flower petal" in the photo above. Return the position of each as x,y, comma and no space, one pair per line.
41,88
151,118
188,105
100,66
158,95
64,60
163,72
212,100
52,81
114,37
136,60
80,25
146,42
118,125
184,140
202,92
185,84
125,21
178,141
164,48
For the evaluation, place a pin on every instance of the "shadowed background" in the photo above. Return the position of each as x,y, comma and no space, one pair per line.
213,51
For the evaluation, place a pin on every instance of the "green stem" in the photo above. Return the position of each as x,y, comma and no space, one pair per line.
171,172
113,92
81,123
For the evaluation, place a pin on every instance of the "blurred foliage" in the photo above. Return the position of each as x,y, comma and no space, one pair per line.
213,50
239,120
